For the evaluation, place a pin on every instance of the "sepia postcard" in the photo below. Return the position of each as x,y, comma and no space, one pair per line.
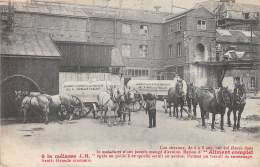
130,83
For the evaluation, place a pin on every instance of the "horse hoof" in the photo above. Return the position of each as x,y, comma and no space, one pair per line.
222,130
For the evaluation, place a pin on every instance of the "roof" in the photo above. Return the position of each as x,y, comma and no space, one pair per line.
212,5
237,36
31,44
86,11
169,18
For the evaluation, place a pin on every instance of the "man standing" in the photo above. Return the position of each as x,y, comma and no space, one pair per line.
151,109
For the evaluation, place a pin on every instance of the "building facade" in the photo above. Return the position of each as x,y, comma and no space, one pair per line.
138,44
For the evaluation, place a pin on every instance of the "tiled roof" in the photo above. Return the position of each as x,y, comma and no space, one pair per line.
28,44
92,11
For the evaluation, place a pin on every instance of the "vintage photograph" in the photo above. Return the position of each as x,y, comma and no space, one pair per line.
130,83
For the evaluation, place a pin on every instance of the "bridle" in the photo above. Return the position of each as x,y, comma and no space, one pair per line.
179,87
238,93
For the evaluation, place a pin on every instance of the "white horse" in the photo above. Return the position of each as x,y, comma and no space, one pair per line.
107,105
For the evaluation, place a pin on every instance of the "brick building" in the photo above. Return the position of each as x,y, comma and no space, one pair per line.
136,43
237,39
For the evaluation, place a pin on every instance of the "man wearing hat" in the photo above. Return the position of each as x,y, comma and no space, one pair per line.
151,109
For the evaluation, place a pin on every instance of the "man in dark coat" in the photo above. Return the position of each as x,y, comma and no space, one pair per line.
151,109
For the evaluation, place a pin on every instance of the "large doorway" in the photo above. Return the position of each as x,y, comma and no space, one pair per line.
9,107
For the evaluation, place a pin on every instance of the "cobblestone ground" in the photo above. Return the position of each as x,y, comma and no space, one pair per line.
23,144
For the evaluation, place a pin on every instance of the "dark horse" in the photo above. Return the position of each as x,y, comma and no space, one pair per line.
176,96
238,104
191,99
215,103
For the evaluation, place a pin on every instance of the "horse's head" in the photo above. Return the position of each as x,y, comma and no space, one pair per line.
179,88
191,91
113,93
130,96
224,97
239,94
19,95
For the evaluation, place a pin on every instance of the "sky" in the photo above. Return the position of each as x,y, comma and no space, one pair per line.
145,4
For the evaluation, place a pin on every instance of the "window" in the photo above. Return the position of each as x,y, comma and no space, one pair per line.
170,53
115,70
126,28
126,50
144,29
179,26
246,15
171,28
136,72
143,50
179,49
201,25
180,71
252,82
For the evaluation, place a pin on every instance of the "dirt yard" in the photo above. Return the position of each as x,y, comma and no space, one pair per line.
25,144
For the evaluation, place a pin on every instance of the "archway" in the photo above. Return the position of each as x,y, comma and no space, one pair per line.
9,107
200,52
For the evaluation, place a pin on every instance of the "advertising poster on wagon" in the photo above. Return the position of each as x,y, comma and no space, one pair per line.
130,83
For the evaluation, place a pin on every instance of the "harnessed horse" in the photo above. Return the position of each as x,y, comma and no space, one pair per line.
68,106
191,99
238,104
38,103
215,103
106,104
176,95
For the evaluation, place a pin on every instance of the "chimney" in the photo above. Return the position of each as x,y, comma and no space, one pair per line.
157,9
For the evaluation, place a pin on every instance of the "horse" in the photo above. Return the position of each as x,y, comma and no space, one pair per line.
107,104
35,103
214,103
66,105
238,104
191,99
134,97
176,95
